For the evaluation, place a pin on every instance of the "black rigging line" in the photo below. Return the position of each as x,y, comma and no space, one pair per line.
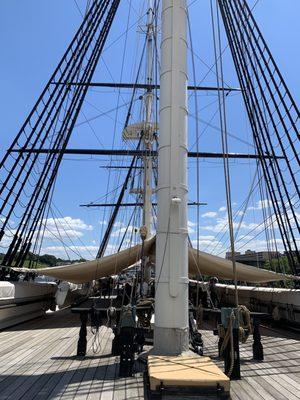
237,56
44,124
43,177
118,100
114,214
262,84
113,217
53,77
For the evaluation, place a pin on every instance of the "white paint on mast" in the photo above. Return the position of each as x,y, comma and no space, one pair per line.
171,298
148,131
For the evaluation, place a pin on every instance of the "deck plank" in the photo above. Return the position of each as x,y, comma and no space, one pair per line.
56,369
102,379
35,351
276,377
37,368
38,362
25,352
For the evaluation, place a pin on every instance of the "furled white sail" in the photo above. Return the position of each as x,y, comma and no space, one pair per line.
95,269
202,263
211,265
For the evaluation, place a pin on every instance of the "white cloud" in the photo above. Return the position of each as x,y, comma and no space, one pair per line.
191,226
261,204
119,224
209,214
221,225
65,227
68,223
221,209
57,229
257,245
209,244
191,223
191,231
205,238
60,251
6,240
52,233
120,232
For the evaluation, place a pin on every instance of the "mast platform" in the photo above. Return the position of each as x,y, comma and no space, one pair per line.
38,361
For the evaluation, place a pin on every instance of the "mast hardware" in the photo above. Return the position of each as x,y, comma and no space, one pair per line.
140,191
176,200
143,232
134,131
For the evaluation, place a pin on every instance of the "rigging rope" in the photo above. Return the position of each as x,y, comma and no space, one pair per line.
47,126
117,108
265,93
197,166
223,125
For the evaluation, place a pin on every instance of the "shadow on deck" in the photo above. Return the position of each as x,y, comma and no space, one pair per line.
37,361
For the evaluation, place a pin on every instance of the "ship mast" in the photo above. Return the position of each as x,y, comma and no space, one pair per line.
148,128
171,297
147,140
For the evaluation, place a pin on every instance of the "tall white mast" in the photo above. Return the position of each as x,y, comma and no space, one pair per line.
148,129
171,298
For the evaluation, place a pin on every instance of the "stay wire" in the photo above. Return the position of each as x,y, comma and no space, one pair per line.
223,125
197,160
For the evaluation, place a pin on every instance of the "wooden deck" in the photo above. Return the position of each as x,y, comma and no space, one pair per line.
37,361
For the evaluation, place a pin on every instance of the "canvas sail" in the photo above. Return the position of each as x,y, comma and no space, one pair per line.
211,265
199,263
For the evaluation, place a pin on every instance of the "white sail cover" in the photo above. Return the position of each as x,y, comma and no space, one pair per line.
202,263
99,268
211,265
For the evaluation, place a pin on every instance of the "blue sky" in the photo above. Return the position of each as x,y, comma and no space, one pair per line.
33,37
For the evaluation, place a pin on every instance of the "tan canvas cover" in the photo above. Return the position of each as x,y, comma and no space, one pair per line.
105,266
216,266
113,264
